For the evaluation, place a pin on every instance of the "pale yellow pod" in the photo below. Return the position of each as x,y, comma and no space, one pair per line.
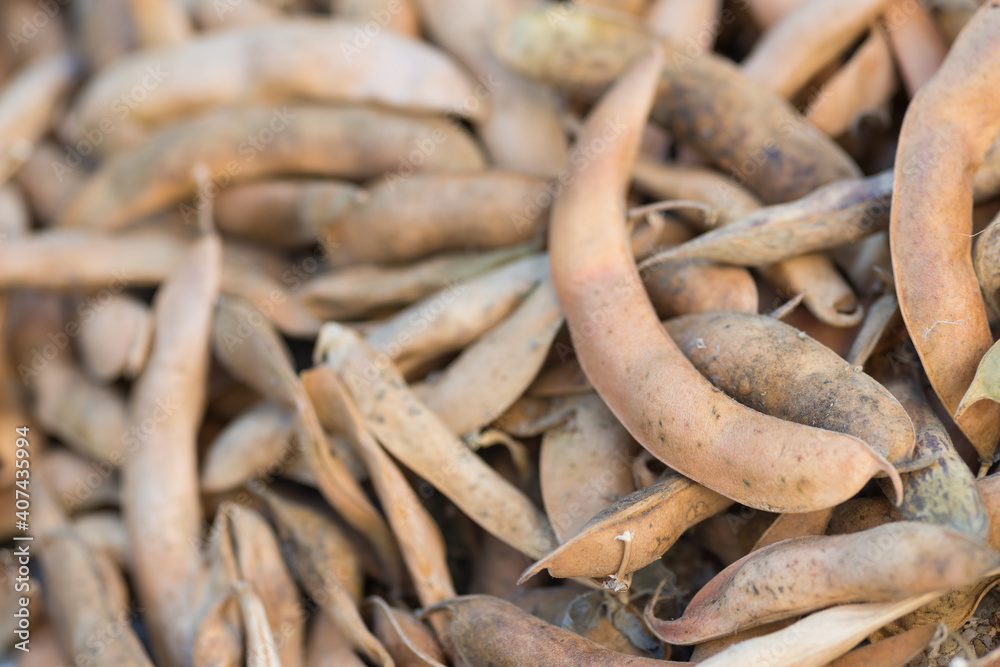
248,143
284,62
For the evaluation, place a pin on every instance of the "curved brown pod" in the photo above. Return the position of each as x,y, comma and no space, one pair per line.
288,61
774,368
803,574
836,214
671,409
947,129
401,221
654,516
257,142
679,286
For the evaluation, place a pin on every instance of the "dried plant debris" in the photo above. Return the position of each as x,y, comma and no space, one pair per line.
720,279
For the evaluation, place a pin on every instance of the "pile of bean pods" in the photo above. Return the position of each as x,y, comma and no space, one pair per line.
497,332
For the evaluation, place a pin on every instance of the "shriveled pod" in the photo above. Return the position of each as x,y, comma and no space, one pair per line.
419,537
480,628
76,259
114,341
87,599
806,39
524,132
819,638
986,260
895,651
778,370
406,639
27,106
238,145
705,102
458,314
953,608
803,574
985,388
944,492
258,441
863,86
254,353
283,212
947,130
866,263
327,568
917,45
669,181
288,61
691,24
328,647
416,436
584,466
407,219
399,16
671,409
257,562
632,532
482,382
355,291
160,500
88,417
827,295
859,514
836,214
